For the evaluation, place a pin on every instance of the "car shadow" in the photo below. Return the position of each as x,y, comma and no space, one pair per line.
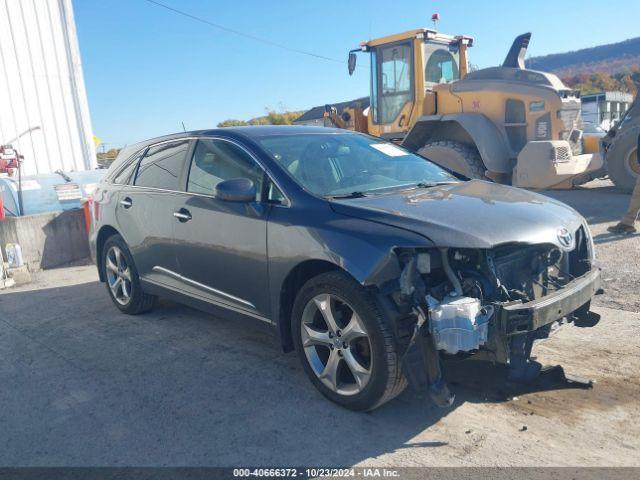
481,381
84,384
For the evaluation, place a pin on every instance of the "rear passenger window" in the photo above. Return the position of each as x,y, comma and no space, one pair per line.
162,165
125,174
217,160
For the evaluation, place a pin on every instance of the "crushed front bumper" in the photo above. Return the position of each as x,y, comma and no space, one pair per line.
515,318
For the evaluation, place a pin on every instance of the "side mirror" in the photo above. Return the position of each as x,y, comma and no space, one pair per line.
236,190
352,62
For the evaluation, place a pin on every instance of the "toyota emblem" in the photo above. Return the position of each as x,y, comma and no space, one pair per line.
565,238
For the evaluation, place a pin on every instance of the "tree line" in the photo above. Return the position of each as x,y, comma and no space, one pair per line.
625,81
271,118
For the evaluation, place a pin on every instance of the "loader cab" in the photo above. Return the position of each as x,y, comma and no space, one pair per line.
404,68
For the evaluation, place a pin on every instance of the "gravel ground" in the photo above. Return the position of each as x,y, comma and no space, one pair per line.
84,385
618,256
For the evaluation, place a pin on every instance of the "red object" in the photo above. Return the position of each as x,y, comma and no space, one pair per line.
435,17
2,216
9,159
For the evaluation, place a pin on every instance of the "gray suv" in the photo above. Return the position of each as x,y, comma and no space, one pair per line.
371,262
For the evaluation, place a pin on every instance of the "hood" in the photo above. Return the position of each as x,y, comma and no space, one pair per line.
473,214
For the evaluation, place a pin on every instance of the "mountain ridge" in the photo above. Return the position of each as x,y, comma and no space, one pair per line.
610,58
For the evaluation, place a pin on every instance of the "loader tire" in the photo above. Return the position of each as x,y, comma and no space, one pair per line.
622,159
456,156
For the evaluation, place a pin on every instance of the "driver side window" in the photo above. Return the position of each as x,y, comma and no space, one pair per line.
215,161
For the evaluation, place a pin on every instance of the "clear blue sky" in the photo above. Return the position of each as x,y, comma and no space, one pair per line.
147,69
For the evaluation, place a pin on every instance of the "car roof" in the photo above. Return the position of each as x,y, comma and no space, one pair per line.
250,131
254,131
268,130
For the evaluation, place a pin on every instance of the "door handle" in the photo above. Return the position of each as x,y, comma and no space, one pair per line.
126,202
183,215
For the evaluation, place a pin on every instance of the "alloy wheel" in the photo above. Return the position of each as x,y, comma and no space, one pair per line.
336,344
118,275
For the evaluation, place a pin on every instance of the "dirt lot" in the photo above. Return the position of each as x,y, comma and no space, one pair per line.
85,385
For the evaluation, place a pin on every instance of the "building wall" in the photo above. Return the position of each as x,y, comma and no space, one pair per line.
605,108
42,88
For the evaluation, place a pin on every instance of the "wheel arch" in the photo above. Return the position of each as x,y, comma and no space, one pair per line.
471,128
104,233
293,282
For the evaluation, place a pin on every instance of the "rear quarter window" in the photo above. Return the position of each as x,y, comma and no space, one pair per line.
125,172
162,166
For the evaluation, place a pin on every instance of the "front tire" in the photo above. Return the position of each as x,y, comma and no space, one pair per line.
456,156
345,345
122,279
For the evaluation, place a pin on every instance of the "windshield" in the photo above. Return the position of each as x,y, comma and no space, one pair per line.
343,164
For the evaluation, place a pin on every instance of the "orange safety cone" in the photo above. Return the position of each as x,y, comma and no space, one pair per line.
87,206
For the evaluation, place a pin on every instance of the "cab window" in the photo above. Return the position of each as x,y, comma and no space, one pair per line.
393,81
441,67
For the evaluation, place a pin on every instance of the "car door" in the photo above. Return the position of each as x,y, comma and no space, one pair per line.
221,245
145,210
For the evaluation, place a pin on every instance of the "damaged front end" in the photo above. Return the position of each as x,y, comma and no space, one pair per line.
488,303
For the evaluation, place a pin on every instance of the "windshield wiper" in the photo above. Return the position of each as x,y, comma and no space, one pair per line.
433,184
349,195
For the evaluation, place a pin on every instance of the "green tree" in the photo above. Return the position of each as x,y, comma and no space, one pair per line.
625,81
106,158
232,123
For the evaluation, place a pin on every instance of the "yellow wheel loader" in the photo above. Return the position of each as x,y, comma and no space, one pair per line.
507,123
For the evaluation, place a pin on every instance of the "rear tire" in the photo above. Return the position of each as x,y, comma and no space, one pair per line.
456,156
122,279
622,159
376,351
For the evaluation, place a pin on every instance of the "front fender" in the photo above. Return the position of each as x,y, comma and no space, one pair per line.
362,248
476,127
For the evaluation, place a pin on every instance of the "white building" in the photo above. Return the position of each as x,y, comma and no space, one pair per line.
604,108
44,112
